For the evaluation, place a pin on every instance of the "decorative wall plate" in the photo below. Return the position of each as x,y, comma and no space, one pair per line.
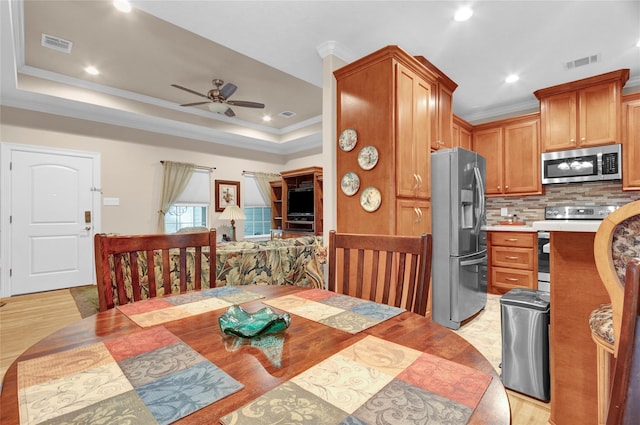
368,157
348,139
370,199
350,183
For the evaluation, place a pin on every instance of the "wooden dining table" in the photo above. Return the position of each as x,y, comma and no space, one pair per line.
306,343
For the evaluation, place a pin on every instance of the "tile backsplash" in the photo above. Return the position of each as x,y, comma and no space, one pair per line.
531,208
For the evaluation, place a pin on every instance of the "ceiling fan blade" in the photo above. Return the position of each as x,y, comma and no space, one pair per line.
189,90
245,104
229,112
228,90
195,103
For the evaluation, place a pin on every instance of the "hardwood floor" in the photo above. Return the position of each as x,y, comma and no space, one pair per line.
26,319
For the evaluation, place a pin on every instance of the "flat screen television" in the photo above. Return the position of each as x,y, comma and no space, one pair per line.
300,202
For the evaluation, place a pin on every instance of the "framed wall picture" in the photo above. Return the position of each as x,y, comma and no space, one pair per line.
227,193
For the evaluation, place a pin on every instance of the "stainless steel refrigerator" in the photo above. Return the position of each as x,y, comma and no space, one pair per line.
459,264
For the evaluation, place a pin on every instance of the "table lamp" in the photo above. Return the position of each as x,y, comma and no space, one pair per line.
233,213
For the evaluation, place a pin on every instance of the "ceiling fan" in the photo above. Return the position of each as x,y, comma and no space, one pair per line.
218,98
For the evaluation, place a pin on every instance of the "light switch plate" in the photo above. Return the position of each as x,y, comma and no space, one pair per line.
111,201
504,212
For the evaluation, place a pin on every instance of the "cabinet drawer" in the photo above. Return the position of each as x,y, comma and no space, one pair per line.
517,258
512,278
521,239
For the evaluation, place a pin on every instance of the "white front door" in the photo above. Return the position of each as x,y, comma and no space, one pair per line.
52,220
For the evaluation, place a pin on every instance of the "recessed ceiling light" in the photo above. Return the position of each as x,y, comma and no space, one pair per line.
92,70
512,78
463,14
266,118
122,5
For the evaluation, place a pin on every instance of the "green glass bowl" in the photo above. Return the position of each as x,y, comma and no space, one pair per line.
237,321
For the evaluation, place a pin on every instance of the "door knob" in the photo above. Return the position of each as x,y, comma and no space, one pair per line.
87,228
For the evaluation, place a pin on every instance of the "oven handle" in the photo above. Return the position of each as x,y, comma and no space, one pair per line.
546,248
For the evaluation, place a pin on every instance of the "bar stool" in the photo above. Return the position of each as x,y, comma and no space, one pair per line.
616,242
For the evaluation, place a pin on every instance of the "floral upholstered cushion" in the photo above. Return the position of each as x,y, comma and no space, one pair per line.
625,244
293,261
601,322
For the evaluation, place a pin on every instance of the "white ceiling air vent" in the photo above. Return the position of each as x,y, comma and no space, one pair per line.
582,61
56,43
286,114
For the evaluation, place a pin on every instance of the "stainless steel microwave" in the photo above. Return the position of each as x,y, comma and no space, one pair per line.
582,165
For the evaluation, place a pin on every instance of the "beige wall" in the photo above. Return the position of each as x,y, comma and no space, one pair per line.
130,161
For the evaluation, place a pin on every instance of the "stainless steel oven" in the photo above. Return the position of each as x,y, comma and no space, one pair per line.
544,248
588,212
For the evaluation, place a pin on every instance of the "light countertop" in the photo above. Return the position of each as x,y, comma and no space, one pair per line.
567,225
508,228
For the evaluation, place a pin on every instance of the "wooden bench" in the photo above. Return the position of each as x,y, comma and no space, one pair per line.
119,260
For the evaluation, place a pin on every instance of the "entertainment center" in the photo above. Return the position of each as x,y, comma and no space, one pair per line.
296,202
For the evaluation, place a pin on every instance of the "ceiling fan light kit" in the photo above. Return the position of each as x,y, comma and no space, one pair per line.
218,108
217,98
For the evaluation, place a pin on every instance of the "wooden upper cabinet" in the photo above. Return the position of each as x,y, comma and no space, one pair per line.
441,105
522,158
413,123
386,97
582,113
511,149
488,143
461,133
631,143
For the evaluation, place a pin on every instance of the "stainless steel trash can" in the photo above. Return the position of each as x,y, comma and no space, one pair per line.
525,320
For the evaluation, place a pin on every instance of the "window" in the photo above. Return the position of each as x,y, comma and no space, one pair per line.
256,209
191,209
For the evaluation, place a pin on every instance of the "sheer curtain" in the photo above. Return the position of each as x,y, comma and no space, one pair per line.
262,180
176,176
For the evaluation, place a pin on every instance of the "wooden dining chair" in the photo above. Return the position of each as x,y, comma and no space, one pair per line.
624,408
392,270
135,267
616,241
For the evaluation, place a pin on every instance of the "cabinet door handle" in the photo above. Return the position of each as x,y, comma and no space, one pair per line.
511,239
418,215
419,180
583,139
512,279
511,257
572,140
499,187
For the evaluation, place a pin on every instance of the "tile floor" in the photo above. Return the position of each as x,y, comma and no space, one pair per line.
484,332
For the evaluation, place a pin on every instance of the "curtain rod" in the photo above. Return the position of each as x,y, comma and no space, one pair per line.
256,172
201,167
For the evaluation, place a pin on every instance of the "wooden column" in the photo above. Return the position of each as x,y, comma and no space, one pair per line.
576,289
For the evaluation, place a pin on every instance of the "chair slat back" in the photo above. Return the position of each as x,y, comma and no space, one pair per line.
115,255
388,269
624,406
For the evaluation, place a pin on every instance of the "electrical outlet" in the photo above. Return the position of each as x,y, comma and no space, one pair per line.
504,212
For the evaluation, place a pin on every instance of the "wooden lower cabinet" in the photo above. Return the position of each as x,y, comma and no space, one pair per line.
513,261
414,217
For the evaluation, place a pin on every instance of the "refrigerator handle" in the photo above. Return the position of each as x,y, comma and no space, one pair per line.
480,189
472,262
